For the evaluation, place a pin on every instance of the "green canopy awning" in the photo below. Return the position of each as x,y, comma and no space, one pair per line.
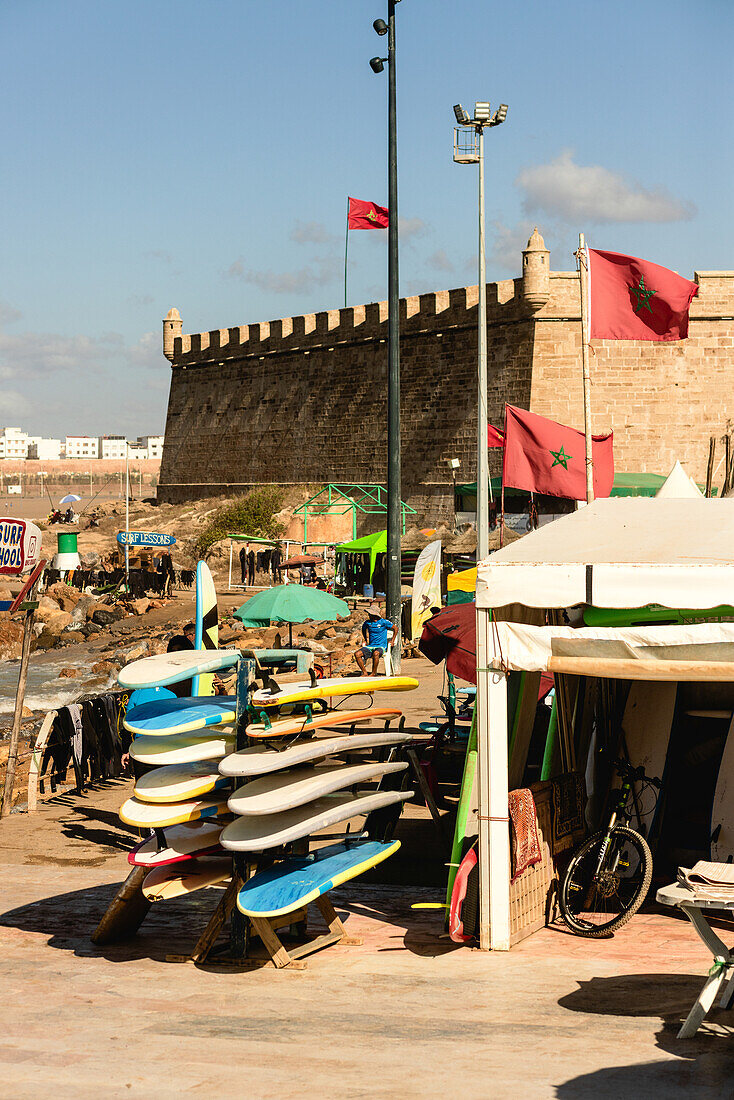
369,544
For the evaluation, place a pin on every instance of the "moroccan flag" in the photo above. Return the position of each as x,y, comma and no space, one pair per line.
631,299
495,438
544,457
367,215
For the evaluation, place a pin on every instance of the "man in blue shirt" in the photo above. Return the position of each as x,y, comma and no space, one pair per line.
374,631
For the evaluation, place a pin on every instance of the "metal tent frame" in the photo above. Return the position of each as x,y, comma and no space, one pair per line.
338,499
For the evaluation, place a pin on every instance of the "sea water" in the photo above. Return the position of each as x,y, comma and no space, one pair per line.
45,689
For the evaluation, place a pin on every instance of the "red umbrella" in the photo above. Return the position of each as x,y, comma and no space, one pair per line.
451,636
301,559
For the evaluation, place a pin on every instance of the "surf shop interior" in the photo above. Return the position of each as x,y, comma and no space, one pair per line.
639,640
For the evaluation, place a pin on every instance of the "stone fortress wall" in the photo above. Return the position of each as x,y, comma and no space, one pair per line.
302,400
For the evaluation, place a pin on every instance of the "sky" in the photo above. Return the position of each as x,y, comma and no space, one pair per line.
200,154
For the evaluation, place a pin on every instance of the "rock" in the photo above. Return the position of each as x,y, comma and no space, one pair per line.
104,616
84,609
325,632
303,630
46,640
57,622
47,606
134,652
102,666
91,628
71,637
312,646
139,607
66,597
68,673
356,639
90,560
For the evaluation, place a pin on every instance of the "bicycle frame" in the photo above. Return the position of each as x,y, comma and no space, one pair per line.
620,810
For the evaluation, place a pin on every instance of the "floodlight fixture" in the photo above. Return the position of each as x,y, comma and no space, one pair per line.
377,64
500,114
462,116
482,112
380,26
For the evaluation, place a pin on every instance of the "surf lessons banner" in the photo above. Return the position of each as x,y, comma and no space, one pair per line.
144,538
426,586
20,545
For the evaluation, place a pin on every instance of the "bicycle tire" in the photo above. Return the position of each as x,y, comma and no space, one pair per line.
598,931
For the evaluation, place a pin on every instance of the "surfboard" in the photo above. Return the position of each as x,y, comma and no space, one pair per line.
722,808
182,842
171,668
164,883
273,794
300,724
295,882
256,834
180,715
185,748
647,722
206,621
150,815
302,691
261,759
466,810
180,782
148,695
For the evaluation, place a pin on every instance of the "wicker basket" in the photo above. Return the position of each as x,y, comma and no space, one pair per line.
531,897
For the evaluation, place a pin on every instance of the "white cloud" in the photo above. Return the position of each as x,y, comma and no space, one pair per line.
507,245
578,193
311,233
439,261
321,272
9,314
13,404
409,228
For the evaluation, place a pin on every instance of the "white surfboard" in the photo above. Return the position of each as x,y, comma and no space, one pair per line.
164,883
647,722
261,759
180,782
171,668
149,815
722,810
304,690
182,842
257,834
273,794
184,749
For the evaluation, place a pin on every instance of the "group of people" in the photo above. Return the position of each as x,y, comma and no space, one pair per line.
57,516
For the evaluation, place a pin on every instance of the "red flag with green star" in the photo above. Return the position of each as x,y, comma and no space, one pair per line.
367,215
632,299
542,456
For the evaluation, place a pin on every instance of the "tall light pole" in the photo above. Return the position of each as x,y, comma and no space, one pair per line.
127,515
394,493
469,149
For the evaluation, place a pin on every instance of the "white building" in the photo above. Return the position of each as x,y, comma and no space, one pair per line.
153,445
13,443
47,450
112,446
82,446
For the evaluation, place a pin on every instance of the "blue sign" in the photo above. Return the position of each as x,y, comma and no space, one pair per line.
144,538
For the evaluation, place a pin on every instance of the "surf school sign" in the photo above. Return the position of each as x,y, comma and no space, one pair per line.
144,538
20,545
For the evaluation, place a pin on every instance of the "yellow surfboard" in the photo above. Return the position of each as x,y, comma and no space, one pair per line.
148,815
163,883
303,691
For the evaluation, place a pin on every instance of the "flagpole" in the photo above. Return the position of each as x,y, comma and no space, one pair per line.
583,276
346,249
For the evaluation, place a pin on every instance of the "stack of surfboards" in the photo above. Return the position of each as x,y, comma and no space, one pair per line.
183,799
295,781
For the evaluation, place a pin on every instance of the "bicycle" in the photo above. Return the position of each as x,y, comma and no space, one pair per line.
608,878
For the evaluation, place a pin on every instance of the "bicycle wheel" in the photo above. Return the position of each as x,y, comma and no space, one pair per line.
597,905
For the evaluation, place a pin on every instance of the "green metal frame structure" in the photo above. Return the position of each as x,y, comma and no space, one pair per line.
368,500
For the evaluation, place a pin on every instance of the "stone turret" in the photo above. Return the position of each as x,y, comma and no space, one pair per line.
172,327
536,272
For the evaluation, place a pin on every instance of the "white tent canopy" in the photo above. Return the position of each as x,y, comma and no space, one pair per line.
626,552
679,485
620,552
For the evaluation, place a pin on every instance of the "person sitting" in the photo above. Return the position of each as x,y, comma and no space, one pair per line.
374,632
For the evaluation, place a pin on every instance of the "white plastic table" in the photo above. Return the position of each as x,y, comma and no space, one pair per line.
722,970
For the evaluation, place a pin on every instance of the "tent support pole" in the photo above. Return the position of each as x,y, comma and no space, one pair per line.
583,283
494,829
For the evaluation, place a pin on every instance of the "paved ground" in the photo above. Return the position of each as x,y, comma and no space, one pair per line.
407,1014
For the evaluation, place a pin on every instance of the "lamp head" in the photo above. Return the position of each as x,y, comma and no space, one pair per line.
377,64
482,112
500,114
380,26
462,116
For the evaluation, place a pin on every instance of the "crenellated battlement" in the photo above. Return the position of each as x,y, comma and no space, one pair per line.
436,311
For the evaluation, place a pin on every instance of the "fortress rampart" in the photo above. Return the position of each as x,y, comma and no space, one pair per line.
302,400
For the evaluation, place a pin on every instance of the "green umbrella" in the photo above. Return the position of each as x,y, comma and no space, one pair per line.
291,603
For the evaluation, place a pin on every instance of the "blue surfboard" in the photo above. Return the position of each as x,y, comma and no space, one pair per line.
180,715
301,879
